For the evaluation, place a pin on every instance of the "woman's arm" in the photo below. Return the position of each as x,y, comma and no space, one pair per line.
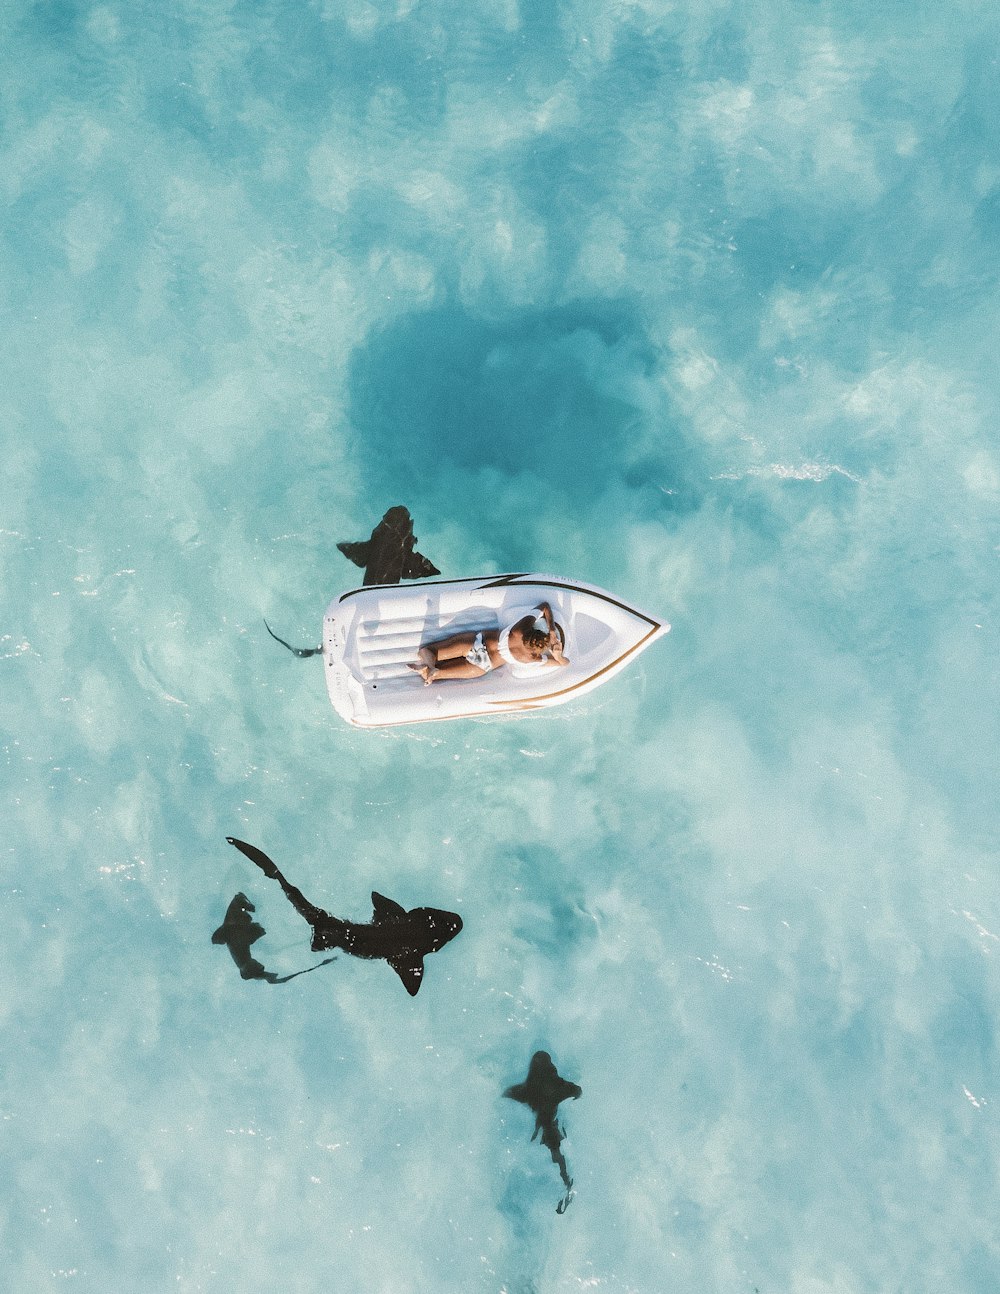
555,650
555,642
545,610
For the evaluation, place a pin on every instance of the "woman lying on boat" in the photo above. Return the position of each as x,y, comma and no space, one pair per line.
473,654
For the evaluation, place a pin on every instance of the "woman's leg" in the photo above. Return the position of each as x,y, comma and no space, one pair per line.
455,647
446,659
460,668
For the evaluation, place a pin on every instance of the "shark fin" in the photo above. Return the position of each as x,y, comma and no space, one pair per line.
386,909
417,567
358,553
410,971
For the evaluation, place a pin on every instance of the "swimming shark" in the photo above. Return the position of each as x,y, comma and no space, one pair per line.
401,938
542,1091
389,555
239,932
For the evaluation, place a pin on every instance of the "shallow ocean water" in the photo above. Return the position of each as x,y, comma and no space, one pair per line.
694,303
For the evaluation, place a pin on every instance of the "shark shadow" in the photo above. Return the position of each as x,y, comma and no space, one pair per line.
401,938
542,1091
388,556
239,932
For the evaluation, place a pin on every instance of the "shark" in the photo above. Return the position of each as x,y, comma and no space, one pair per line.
543,1091
239,932
394,935
389,554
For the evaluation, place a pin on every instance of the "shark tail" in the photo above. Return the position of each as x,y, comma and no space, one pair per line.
283,979
298,651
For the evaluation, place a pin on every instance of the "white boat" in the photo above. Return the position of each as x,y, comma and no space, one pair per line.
371,637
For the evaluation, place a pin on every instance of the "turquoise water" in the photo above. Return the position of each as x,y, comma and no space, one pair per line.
696,303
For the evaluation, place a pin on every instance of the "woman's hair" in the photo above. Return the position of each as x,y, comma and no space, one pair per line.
536,641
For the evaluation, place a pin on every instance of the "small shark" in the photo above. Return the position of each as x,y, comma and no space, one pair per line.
389,555
542,1091
401,938
239,932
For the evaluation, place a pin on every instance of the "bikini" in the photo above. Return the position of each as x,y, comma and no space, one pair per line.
478,655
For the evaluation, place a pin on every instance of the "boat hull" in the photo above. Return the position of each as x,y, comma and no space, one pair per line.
371,636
